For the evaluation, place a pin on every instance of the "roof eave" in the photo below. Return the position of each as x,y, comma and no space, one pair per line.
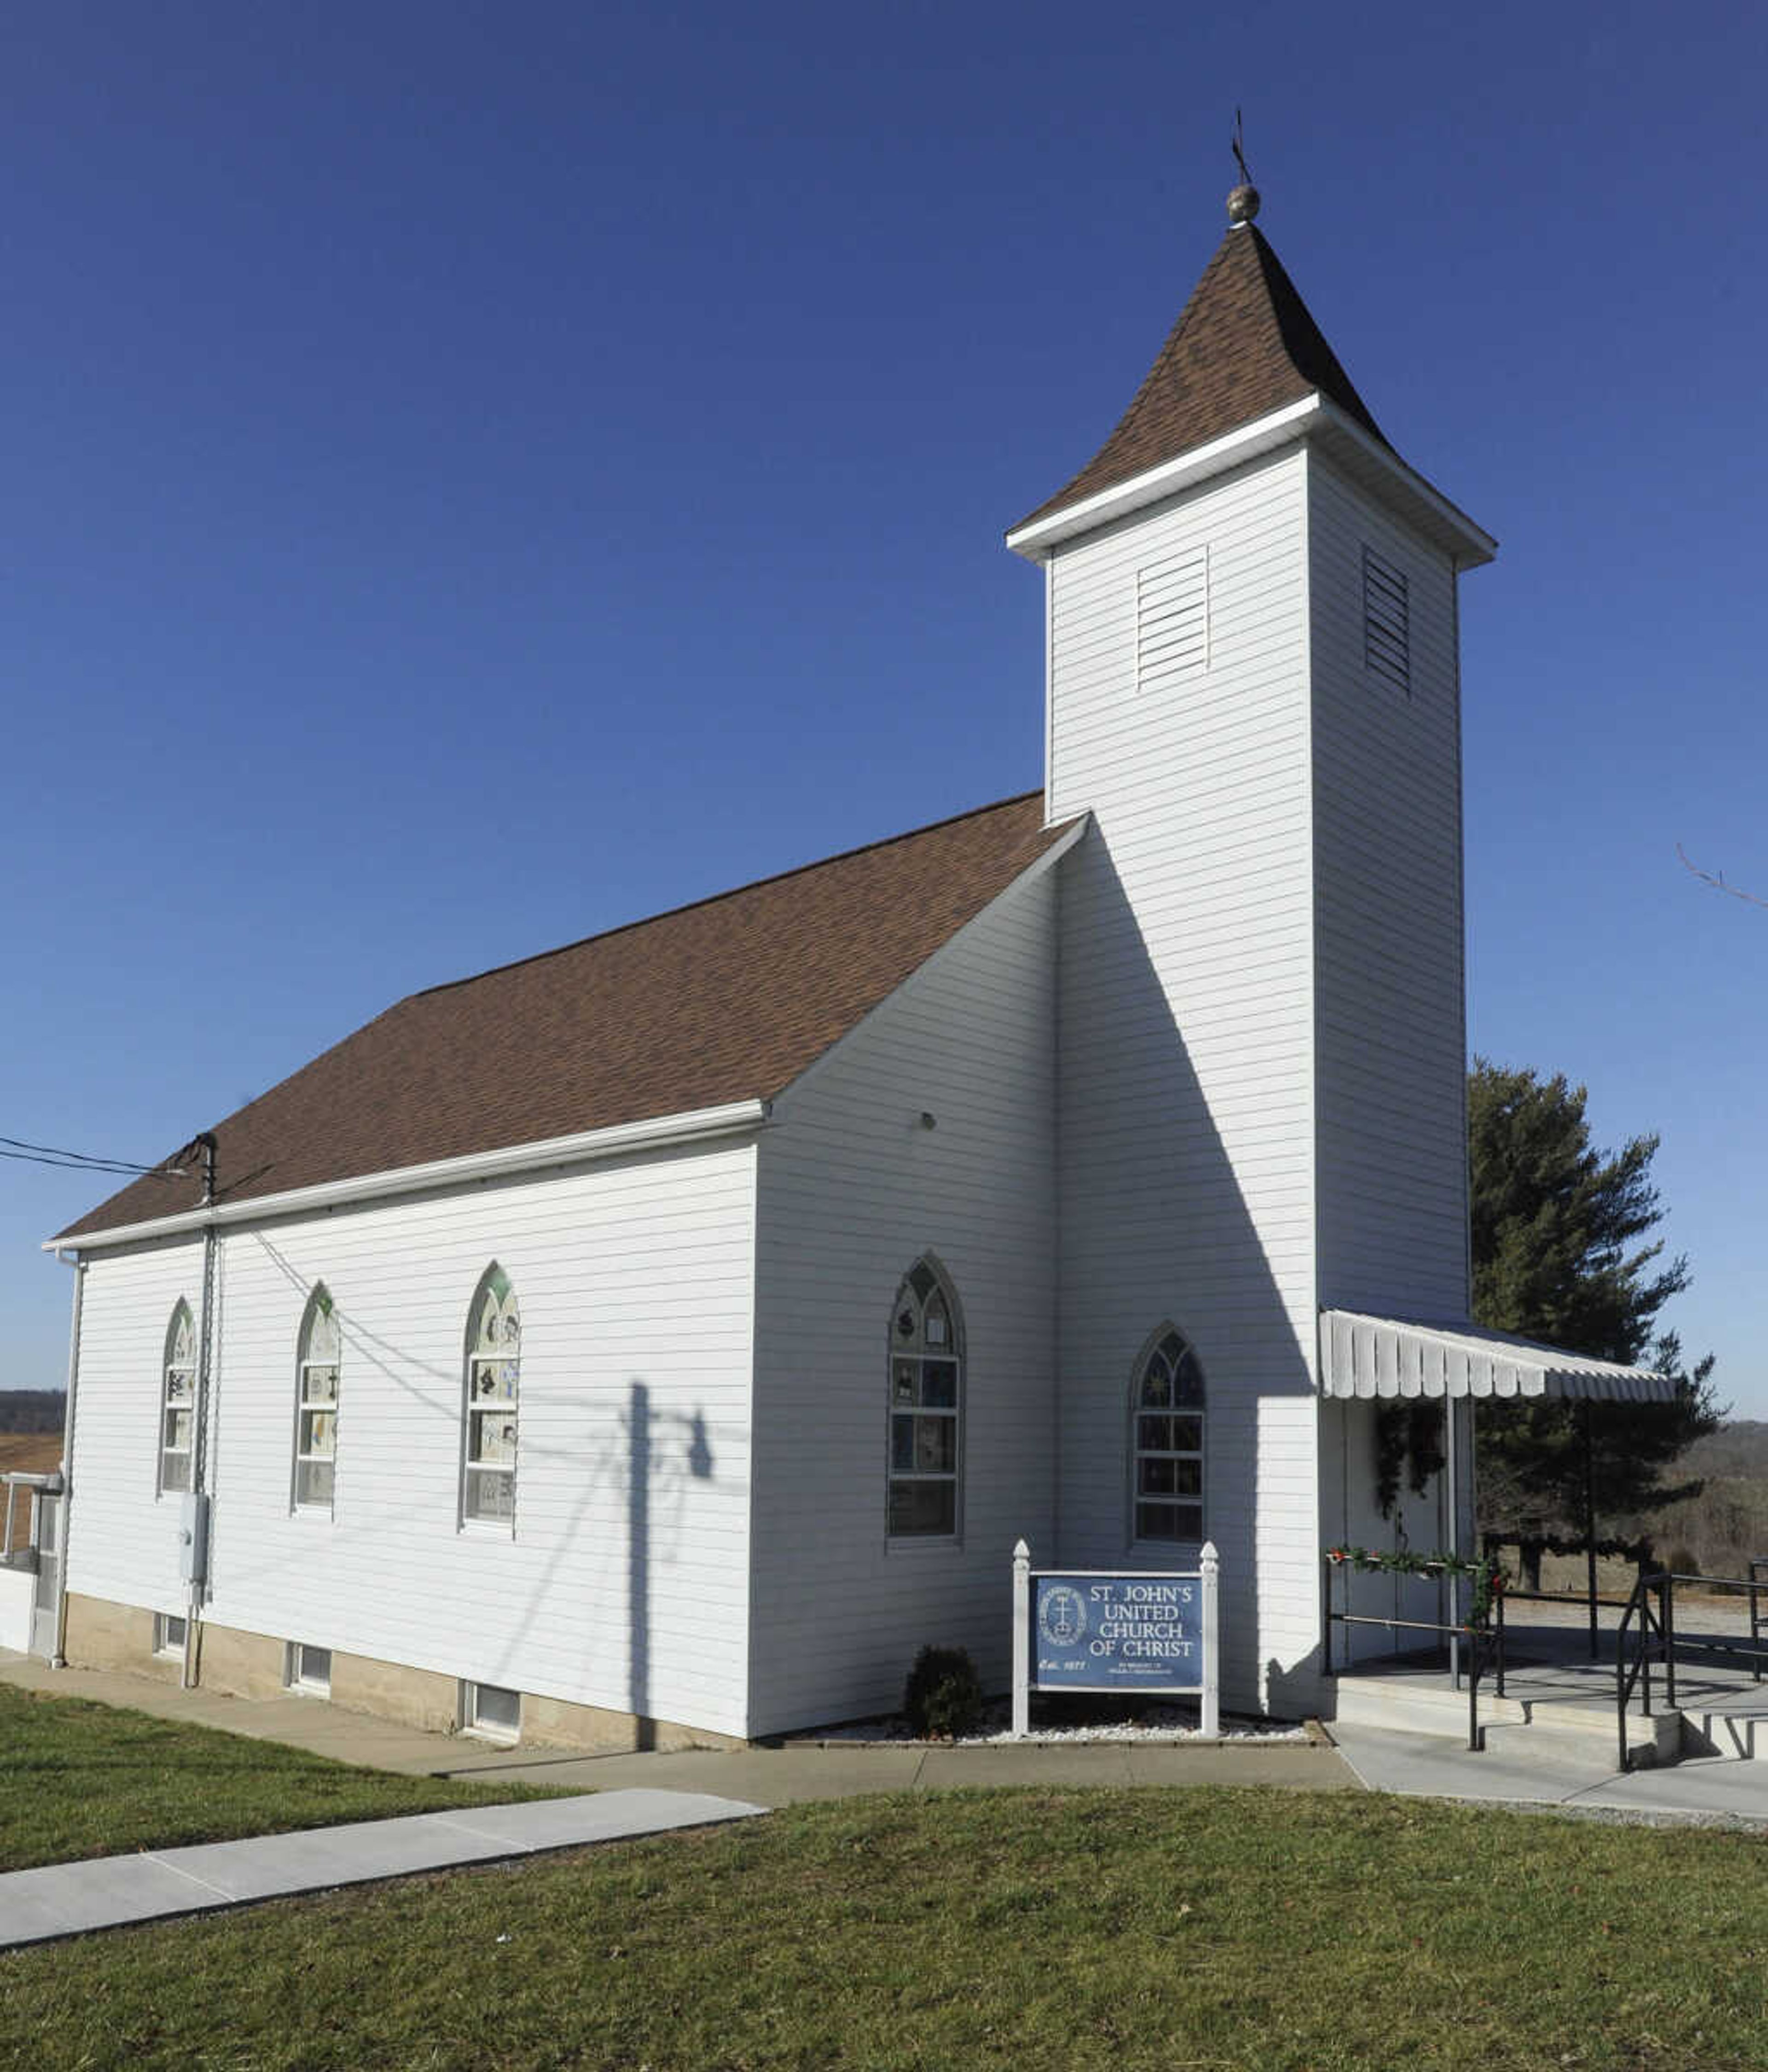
653,1133
1037,539
1381,471
1367,459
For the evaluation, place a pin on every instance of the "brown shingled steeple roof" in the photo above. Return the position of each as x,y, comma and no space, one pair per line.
1244,345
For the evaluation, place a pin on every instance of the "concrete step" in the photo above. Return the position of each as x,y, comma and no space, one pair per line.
1741,1736
1412,1705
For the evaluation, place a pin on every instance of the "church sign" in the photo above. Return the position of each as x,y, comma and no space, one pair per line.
1138,1632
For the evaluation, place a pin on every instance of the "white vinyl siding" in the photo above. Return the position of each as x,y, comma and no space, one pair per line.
1389,1027
122,1540
1186,968
853,1187
627,1588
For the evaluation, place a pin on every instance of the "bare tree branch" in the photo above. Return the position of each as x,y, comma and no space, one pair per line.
1718,879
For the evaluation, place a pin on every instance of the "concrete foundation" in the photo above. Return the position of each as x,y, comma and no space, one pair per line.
555,1723
414,1697
102,1635
244,1665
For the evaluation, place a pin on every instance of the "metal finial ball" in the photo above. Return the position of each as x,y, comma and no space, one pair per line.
1243,204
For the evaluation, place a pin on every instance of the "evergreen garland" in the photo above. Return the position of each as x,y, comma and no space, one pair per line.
1641,1552
1390,1454
1424,1443
1487,1576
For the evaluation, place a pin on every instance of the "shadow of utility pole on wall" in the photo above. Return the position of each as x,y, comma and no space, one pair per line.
643,1464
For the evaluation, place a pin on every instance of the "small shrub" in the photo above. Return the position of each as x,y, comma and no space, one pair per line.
1683,1561
942,1697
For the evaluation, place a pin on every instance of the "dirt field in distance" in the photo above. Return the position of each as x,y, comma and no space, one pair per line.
30,1453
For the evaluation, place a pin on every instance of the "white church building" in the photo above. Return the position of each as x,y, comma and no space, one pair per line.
659,1340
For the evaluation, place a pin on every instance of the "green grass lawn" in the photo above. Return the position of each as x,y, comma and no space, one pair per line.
1039,1930
78,1779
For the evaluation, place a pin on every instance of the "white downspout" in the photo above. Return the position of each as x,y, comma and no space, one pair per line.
59,1658
205,1412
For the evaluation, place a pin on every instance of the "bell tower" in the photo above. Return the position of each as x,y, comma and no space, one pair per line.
1253,690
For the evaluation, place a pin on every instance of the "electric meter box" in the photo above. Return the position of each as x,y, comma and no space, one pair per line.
193,1539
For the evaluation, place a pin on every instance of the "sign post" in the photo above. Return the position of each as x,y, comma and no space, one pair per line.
1138,1630
1022,1641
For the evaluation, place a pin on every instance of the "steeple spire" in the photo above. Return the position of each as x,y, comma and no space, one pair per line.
1244,345
1243,201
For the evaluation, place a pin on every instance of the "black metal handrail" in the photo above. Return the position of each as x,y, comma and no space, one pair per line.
1656,1631
1486,1644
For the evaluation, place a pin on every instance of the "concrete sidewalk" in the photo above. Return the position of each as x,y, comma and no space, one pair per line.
781,1775
108,1891
1709,1788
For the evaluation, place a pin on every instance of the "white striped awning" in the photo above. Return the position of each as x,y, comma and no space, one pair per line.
1390,1356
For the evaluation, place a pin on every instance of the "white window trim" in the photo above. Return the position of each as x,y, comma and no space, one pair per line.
904,1542
1134,1541
170,1366
488,1730
472,1521
294,1679
166,1648
305,1363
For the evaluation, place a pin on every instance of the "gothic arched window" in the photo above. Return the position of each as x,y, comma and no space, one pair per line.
1166,1441
177,1400
927,1406
494,1385
316,1405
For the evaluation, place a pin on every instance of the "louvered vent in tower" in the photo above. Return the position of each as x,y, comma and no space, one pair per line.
1387,634
1172,619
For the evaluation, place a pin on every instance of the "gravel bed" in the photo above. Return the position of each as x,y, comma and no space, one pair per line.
1168,1724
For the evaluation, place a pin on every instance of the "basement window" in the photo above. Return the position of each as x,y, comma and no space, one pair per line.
1386,626
169,1635
491,1712
309,1670
1172,620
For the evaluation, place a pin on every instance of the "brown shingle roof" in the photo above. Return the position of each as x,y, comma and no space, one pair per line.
1244,345
726,1000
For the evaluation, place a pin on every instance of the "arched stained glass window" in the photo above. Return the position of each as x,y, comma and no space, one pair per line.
927,1406
177,1400
1166,1441
316,1405
493,1384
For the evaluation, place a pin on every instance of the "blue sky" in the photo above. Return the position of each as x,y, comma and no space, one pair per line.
476,475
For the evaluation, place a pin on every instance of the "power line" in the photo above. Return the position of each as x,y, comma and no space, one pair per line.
81,1161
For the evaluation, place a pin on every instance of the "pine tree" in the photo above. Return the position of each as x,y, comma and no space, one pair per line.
1562,1253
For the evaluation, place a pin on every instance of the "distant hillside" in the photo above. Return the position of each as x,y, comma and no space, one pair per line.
1717,1532
1740,1447
32,1409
